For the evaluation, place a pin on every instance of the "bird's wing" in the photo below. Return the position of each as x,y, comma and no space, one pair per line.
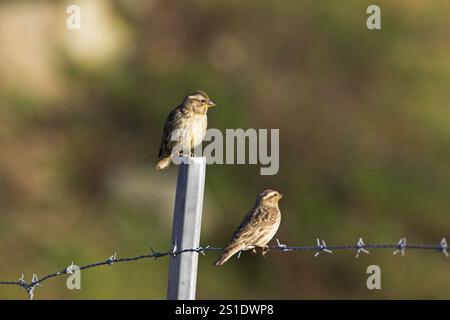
247,230
172,123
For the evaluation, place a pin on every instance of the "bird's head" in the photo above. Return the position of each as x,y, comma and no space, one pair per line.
199,102
269,197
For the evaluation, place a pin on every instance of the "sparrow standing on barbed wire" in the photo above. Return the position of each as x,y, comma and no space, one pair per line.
258,227
185,127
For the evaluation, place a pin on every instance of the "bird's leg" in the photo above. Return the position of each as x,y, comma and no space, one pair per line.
265,250
254,250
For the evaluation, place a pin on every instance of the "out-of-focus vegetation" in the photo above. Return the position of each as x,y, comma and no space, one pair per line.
364,120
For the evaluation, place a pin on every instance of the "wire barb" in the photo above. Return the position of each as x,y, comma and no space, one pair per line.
35,281
444,247
282,246
401,247
322,246
202,250
30,291
154,254
22,282
70,269
111,259
361,248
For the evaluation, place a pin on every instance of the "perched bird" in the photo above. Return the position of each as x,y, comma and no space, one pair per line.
185,127
257,228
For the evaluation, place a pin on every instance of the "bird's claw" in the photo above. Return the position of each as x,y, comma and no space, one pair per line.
265,251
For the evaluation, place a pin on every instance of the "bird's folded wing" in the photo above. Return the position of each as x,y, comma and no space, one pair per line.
172,123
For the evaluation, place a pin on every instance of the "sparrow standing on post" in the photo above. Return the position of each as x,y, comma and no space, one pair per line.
185,127
257,228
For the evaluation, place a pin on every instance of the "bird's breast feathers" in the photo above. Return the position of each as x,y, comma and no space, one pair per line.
198,129
264,234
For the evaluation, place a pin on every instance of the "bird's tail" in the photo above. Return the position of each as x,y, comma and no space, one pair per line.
164,163
227,253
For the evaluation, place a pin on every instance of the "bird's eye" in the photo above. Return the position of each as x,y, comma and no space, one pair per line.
203,101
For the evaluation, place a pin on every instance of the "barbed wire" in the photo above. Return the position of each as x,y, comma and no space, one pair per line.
359,247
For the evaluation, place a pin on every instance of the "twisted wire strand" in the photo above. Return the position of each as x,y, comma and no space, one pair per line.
321,246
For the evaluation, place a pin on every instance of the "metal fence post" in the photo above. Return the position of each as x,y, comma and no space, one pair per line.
187,219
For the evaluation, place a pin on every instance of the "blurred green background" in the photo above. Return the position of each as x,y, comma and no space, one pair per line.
364,124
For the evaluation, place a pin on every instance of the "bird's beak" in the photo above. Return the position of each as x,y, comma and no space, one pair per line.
211,104
281,195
